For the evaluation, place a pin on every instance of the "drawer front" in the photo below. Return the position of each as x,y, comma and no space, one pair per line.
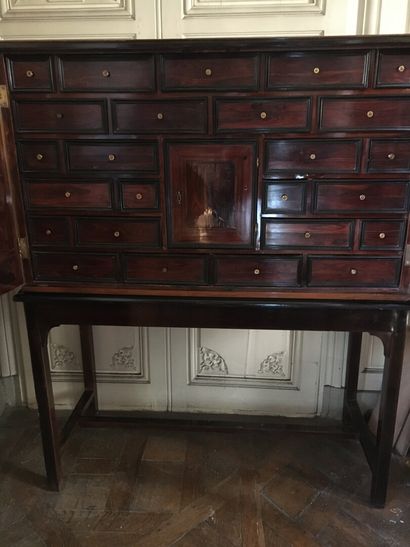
336,235
389,156
258,271
38,156
210,72
113,157
69,195
60,116
166,269
144,233
27,73
139,196
368,114
312,156
361,197
105,73
74,267
382,234
317,70
284,198
160,116
353,272
393,69
263,115
49,231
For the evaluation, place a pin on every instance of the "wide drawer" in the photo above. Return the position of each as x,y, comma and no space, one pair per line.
302,234
382,234
393,69
166,269
210,72
69,195
317,70
74,267
188,116
365,113
141,232
30,73
353,272
49,230
139,195
312,156
263,114
106,73
113,156
60,116
362,197
389,156
38,156
258,271
284,198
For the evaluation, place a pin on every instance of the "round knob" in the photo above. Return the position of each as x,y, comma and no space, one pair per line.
284,197
111,157
256,271
401,68
76,267
59,116
116,234
391,156
362,197
67,194
353,271
208,72
29,73
139,196
39,157
164,269
263,115
312,156
48,232
160,115
106,73
382,235
370,114
316,70
308,235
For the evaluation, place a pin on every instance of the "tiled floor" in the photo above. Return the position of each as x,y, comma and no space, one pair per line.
153,488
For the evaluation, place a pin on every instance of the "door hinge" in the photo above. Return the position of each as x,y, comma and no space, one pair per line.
4,97
23,247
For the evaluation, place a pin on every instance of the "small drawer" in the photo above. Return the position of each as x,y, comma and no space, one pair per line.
49,230
166,270
302,234
144,233
160,116
74,267
353,272
38,156
393,69
221,72
281,271
106,73
139,196
263,114
284,198
382,234
365,113
68,195
113,157
60,116
389,156
318,70
370,197
30,73
312,156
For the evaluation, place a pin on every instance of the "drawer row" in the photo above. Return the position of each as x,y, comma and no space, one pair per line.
250,271
190,116
286,234
136,73
302,156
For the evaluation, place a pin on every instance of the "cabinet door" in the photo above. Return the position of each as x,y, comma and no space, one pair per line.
211,194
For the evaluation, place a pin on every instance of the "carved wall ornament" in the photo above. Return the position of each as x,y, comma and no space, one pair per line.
211,362
273,365
124,359
62,358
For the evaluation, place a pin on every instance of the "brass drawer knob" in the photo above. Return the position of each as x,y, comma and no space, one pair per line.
312,156
401,68
308,235
362,197
76,267
116,234
353,271
370,113
164,270
382,235
139,196
39,157
208,72
284,197
59,116
263,115
160,116
111,157
29,74
316,70
391,156
67,194
256,271
48,232
106,73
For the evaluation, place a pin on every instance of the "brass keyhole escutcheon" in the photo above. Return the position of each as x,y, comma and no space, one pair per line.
39,157
284,197
76,267
401,68
312,156
370,113
353,271
67,194
256,271
391,156
116,234
111,157
263,115
308,235
106,73
208,72
362,197
382,235
160,116
139,196
316,70
29,74
48,232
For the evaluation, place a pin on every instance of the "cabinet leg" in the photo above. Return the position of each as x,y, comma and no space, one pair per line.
87,351
37,335
352,373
